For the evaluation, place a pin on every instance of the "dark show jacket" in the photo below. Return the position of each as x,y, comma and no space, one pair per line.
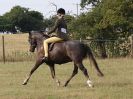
60,29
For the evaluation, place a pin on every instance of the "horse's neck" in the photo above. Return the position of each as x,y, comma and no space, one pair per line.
39,43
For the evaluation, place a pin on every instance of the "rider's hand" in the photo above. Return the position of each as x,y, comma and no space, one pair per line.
46,33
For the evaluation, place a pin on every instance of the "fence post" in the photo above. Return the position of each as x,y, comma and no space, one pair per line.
131,40
80,40
3,47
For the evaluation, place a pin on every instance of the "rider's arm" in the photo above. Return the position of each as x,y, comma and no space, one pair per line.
55,27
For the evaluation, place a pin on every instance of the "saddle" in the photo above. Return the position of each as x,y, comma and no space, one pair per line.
51,45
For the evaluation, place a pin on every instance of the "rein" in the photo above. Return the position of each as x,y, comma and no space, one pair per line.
46,35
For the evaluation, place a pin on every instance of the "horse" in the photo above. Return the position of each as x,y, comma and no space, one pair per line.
60,53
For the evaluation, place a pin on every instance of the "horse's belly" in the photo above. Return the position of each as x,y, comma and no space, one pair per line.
61,62
59,58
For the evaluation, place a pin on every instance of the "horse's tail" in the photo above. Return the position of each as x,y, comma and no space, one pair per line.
93,60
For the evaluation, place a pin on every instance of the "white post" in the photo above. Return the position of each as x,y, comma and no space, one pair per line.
131,40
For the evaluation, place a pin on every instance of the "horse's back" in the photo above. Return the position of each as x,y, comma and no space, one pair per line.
70,45
68,50
58,54
76,49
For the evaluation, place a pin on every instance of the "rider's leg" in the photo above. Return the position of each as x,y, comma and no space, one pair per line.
50,40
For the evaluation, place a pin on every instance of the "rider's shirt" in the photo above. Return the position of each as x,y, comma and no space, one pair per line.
60,28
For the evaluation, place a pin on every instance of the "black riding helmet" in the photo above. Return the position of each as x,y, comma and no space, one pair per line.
61,11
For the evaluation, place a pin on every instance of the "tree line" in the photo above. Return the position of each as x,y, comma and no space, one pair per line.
112,20
106,19
26,20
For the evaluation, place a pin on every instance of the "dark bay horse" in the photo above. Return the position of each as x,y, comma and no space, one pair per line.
62,52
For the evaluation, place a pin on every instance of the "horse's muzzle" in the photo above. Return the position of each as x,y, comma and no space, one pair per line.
32,49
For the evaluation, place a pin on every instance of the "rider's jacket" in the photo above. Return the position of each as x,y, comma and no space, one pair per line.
60,29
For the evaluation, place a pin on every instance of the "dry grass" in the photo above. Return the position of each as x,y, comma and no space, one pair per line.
16,47
116,84
16,41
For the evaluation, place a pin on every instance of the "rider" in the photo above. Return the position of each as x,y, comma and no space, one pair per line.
59,30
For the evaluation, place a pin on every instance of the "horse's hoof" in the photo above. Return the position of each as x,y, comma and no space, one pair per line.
24,83
64,85
100,74
58,82
90,84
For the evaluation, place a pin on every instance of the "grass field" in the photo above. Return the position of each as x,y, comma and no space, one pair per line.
16,47
116,84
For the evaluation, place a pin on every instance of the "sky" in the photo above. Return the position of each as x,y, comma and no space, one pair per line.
43,6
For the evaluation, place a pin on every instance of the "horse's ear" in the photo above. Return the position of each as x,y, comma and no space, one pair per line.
41,32
29,33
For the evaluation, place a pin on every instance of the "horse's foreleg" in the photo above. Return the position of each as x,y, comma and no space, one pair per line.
37,64
75,71
52,69
84,70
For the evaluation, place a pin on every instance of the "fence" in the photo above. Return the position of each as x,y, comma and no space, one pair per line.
102,48
16,48
122,47
110,48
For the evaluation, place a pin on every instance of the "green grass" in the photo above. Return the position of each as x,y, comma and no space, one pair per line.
116,84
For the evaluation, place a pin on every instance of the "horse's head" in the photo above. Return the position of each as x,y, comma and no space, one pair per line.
32,41
34,38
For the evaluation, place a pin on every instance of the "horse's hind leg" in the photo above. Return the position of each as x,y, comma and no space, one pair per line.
53,74
75,71
84,70
38,63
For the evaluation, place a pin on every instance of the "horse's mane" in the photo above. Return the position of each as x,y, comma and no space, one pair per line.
42,33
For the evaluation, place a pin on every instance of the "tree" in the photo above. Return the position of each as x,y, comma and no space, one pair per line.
107,20
110,18
32,20
25,19
69,19
5,25
49,22
86,2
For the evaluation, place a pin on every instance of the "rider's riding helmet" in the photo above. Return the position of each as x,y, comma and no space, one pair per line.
61,11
